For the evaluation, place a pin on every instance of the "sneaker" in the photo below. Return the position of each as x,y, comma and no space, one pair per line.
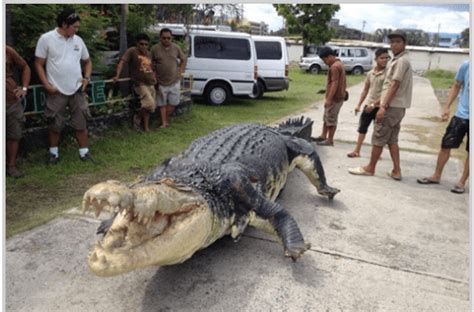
53,160
14,172
88,157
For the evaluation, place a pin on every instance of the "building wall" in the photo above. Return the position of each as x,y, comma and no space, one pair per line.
422,59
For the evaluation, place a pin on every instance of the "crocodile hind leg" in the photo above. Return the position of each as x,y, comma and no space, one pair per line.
305,157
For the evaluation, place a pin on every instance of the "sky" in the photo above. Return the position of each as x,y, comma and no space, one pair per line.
449,18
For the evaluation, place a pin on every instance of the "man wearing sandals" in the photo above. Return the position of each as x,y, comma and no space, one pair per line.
395,99
373,89
141,72
335,94
458,128
165,56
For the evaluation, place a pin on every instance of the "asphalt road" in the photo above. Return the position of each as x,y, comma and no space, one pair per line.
380,245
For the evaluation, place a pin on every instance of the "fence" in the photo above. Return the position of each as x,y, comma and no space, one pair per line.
100,92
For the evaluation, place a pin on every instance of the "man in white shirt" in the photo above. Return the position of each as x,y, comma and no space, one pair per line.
62,51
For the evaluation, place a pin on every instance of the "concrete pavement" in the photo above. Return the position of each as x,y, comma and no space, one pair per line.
380,245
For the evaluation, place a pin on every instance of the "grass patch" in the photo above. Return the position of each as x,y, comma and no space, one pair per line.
440,78
47,191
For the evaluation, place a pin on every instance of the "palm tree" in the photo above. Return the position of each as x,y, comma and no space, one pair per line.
381,34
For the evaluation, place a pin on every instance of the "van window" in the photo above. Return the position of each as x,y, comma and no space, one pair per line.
360,53
268,50
222,48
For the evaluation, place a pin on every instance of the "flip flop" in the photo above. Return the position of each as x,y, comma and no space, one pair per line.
396,178
458,190
426,181
353,155
360,171
325,143
318,139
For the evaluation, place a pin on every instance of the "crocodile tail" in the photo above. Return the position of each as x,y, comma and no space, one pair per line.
298,127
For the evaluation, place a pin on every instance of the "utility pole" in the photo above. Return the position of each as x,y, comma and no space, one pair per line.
362,32
439,28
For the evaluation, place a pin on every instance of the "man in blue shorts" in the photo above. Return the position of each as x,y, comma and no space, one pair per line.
458,128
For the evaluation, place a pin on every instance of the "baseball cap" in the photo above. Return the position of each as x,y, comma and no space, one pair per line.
397,33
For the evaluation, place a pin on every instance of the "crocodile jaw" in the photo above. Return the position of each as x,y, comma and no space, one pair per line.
156,225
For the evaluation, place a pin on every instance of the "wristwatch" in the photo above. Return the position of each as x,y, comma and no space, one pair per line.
24,89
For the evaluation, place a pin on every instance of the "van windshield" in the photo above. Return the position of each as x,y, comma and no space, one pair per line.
268,50
222,48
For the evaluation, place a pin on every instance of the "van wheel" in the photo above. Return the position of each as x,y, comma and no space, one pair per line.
315,69
258,90
217,93
357,70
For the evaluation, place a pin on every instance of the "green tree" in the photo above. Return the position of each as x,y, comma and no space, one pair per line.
309,20
465,38
381,34
30,21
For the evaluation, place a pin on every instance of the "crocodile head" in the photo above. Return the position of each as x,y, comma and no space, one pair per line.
158,223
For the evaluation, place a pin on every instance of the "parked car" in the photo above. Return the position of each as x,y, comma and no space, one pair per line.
272,62
356,60
222,64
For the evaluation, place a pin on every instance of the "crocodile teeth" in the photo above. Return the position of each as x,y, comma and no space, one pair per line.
93,257
98,210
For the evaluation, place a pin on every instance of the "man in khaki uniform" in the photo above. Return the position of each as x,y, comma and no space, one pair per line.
165,55
395,99
371,95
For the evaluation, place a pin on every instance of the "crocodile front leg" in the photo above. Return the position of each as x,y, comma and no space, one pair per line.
246,197
304,156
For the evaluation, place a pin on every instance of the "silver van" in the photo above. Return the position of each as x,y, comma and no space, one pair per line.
356,60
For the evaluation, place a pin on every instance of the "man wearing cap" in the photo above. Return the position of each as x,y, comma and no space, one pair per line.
395,99
62,52
335,94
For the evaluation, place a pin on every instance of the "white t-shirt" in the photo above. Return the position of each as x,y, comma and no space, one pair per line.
63,60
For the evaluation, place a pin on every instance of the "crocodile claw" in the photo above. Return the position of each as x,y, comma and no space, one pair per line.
328,191
295,252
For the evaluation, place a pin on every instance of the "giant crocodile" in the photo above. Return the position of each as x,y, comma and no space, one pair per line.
221,183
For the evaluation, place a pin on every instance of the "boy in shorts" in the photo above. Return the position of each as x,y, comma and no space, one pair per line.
335,94
395,99
458,128
372,89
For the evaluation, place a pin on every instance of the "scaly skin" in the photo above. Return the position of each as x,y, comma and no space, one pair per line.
223,182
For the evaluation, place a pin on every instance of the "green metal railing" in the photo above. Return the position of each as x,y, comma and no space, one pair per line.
35,101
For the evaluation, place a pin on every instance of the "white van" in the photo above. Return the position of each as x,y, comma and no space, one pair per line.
272,62
222,64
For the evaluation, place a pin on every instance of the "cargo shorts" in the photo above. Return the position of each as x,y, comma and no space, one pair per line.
331,113
387,131
169,95
15,120
56,110
147,94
